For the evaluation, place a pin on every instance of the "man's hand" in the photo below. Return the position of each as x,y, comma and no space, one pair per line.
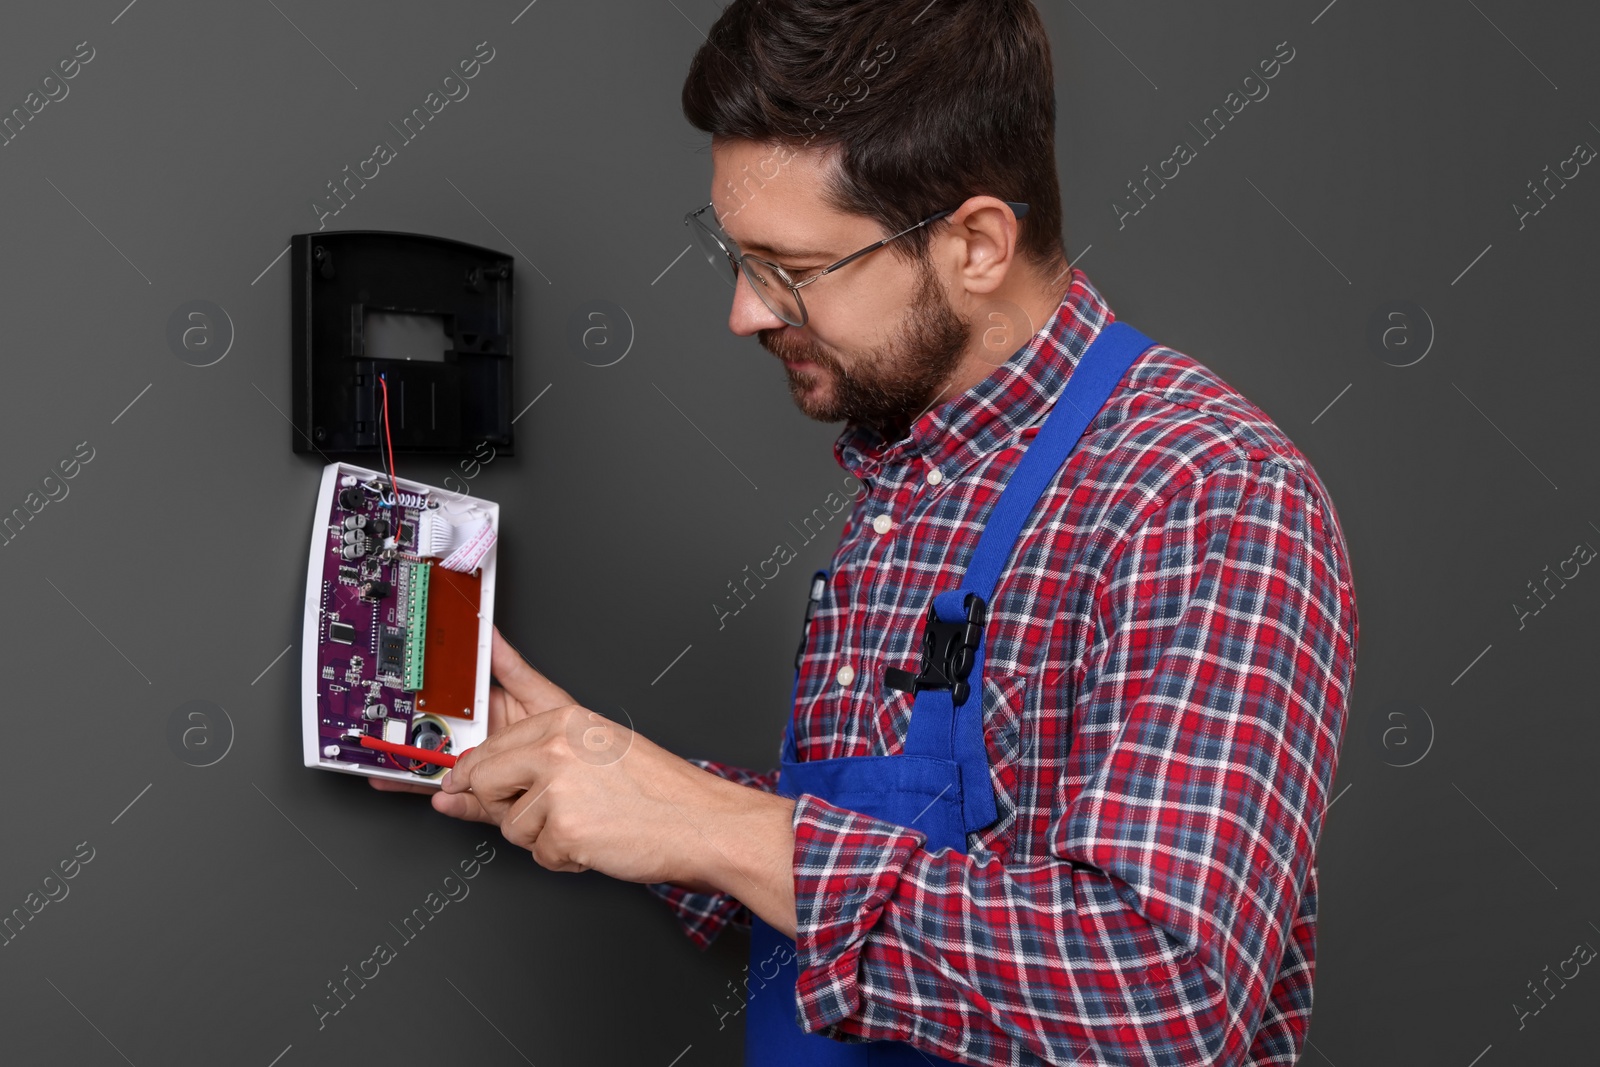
522,692
582,792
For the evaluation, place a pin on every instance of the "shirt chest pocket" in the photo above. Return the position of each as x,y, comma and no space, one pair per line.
1008,737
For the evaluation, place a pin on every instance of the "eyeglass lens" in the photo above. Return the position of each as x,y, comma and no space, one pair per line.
772,290
774,293
715,253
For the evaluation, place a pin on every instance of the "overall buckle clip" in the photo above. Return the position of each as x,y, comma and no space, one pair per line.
948,652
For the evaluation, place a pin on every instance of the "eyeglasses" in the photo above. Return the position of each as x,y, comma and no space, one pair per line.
776,288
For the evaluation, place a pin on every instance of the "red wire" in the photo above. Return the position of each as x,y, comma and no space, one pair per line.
404,764
394,489
421,755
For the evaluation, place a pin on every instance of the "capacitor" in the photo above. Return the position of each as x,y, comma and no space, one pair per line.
375,711
352,537
352,551
355,522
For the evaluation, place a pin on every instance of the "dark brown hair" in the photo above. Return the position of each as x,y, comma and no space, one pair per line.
929,103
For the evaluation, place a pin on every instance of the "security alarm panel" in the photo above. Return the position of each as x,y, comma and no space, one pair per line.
398,623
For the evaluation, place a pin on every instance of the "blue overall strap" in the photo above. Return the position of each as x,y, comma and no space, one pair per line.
1088,387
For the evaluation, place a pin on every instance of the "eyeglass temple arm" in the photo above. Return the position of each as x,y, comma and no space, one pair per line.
1017,209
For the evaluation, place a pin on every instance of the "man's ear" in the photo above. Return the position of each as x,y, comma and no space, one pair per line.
985,232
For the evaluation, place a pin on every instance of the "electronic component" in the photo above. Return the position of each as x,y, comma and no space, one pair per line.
391,651
416,623
395,647
459,536
432,734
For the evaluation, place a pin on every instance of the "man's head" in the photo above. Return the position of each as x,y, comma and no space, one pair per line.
836,123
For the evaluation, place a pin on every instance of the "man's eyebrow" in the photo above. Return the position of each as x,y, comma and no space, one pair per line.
780,252
790,253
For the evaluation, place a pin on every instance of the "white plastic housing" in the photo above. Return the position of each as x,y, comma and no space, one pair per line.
464,733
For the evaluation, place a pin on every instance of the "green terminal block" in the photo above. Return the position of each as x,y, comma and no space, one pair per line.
416,623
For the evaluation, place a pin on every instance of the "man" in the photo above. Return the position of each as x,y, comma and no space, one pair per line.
1080,826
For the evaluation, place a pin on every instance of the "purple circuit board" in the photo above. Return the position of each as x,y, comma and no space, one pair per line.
371,637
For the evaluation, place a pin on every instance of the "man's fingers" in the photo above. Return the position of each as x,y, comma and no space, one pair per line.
456,805
495,780
504,710
523,820
520,679
390,786
461,806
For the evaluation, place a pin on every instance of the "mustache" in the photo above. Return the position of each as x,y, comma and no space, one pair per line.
787,348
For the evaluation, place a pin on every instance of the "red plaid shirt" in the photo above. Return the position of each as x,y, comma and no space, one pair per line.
1168,668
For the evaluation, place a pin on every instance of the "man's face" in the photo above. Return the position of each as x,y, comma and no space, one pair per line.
881,339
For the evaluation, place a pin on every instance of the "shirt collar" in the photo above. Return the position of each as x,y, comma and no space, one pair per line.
1017,394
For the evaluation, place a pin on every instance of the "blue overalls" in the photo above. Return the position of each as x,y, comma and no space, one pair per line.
939,784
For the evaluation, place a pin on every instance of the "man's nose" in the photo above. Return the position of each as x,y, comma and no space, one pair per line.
750,315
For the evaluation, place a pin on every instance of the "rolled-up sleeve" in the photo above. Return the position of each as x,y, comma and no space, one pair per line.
1155,901
703,916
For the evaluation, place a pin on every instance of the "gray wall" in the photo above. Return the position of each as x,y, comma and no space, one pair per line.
1459,860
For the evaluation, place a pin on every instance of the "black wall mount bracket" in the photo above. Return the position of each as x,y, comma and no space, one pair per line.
429,314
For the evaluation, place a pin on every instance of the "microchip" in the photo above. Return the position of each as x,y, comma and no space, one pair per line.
341,632
375,589
347,574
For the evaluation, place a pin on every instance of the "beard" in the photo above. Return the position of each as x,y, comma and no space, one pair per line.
888,387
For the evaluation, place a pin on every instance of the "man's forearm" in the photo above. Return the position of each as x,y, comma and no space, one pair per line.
743,845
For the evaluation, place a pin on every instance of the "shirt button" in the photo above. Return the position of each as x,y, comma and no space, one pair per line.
935,476
846,675
883,524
